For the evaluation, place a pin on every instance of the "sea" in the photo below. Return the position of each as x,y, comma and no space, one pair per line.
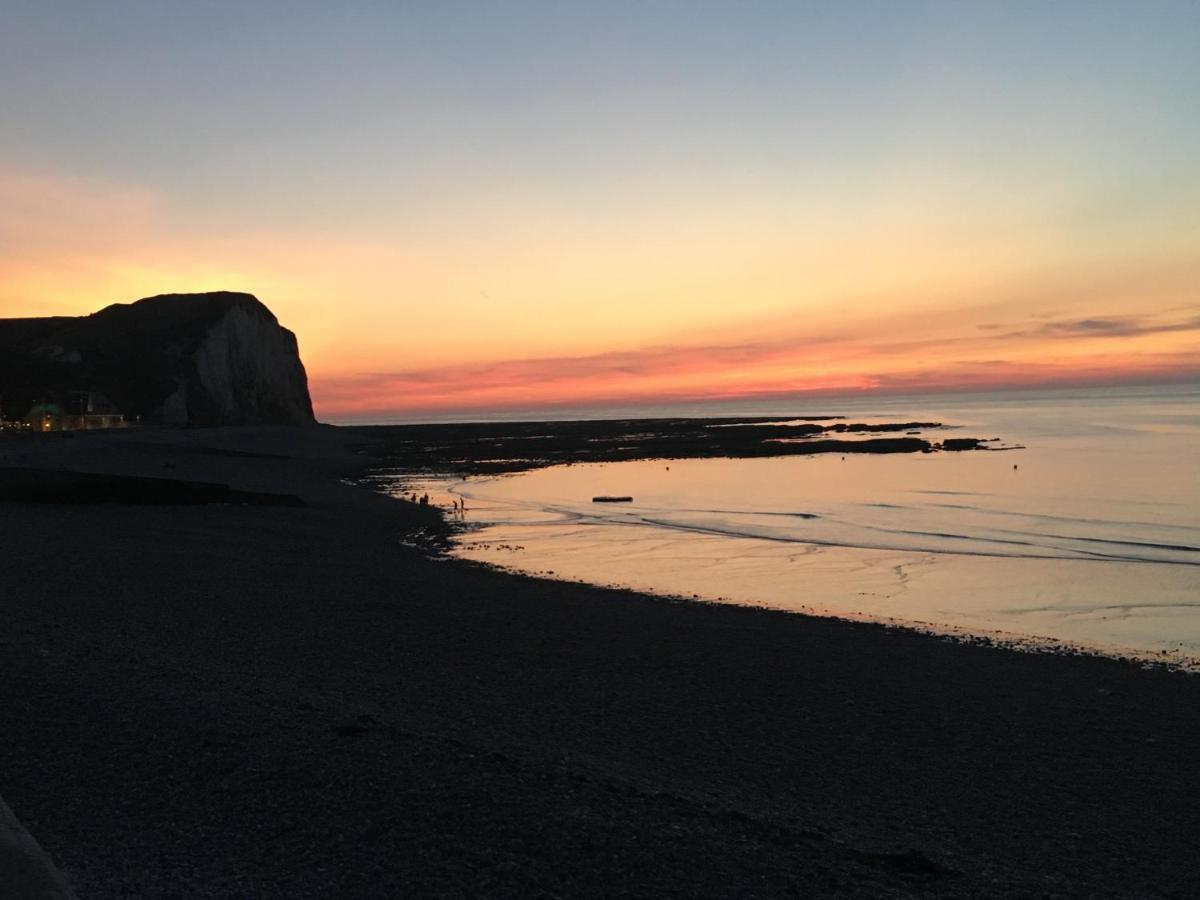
1078,530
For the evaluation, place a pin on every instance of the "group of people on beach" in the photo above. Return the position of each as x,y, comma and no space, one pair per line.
458,506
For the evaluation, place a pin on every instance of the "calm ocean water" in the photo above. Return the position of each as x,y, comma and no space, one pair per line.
1088,533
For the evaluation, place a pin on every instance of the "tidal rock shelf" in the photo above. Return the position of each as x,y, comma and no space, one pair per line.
496,447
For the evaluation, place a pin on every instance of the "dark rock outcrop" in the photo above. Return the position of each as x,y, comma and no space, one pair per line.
957,444
177,359
493,447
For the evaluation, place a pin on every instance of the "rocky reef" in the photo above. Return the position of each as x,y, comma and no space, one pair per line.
498,447
217,358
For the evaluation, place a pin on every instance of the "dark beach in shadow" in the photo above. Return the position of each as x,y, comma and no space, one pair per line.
238,699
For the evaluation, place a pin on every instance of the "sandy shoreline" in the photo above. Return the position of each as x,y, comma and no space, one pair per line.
234,701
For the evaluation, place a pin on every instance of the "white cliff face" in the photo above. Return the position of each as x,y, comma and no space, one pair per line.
174,409
215,358
247,371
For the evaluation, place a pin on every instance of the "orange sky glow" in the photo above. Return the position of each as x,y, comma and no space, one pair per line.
894,306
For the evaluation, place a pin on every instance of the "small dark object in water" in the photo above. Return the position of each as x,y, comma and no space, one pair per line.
603,499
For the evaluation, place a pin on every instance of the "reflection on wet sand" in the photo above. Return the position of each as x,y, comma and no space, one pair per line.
1093,538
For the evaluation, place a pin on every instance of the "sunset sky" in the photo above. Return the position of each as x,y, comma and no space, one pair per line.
485,206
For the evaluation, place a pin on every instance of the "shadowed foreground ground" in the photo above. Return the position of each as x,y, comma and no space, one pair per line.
254,701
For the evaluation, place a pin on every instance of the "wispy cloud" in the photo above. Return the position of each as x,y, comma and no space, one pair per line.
1118,326
1128,326
748,370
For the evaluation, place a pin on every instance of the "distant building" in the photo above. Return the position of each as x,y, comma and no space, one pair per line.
6,423
46,416
83,411
98,412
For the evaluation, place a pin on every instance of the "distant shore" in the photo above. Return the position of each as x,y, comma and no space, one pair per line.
224,699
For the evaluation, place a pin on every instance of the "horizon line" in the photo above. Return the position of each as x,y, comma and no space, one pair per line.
467,415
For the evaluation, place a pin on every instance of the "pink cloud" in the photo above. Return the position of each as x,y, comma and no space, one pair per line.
750,370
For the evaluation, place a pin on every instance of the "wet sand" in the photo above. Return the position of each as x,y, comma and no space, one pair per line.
221,700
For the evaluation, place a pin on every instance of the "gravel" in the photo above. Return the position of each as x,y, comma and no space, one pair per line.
246,701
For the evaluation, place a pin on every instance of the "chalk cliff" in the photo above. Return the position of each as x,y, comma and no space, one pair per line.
177,359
